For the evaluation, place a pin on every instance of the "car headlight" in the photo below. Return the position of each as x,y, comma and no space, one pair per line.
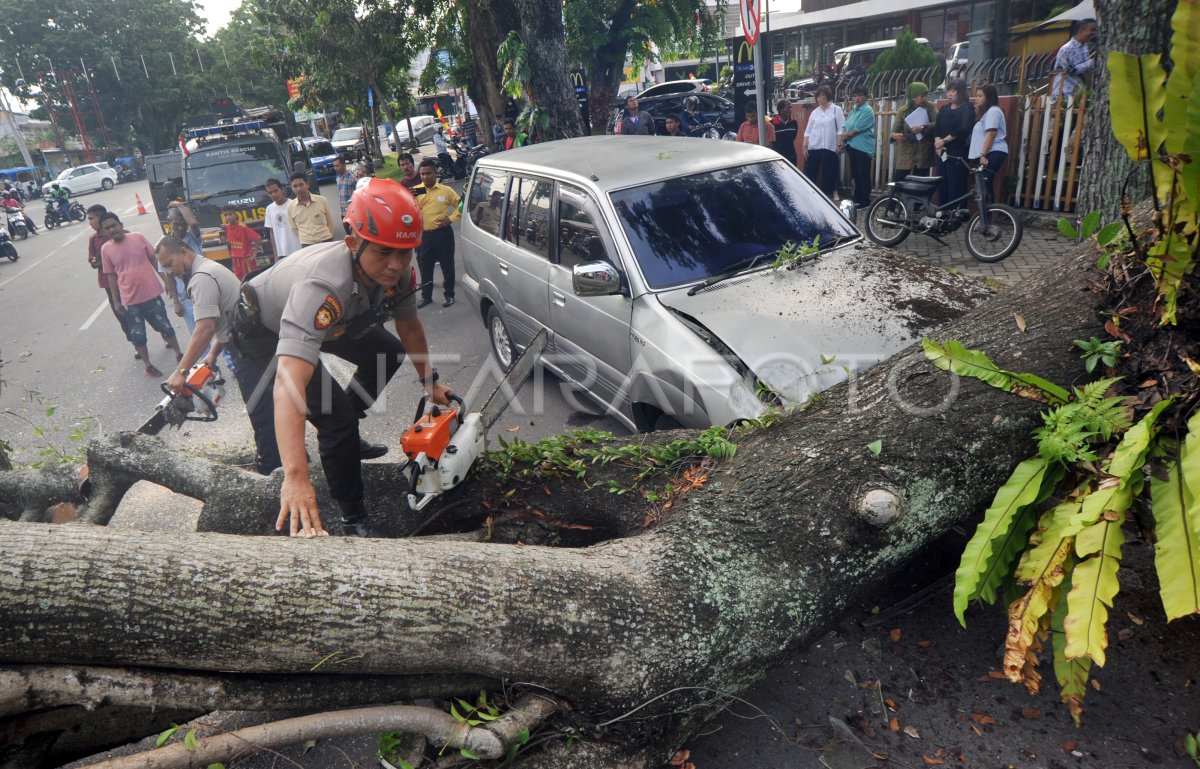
762,393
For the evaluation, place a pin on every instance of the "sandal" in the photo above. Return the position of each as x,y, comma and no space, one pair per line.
153,373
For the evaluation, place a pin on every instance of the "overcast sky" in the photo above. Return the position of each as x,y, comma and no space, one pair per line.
216,12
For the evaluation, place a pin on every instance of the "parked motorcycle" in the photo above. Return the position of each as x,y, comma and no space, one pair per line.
54,216
6,246
993,232
469,156
16,223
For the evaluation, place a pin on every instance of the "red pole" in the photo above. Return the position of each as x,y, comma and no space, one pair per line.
70,89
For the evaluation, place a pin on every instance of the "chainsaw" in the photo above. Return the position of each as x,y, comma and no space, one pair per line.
196,400
444,441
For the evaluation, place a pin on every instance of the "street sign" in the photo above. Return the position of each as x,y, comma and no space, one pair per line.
293,88
370,97
579,84
751,14
744,82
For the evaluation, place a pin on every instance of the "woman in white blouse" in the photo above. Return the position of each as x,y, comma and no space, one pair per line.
989,145
821,142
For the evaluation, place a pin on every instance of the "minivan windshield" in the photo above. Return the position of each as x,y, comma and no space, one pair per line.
347,134
690,228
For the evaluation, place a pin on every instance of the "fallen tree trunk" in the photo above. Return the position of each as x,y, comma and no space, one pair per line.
742,571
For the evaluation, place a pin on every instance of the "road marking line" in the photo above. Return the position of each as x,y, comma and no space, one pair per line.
44,258
95,315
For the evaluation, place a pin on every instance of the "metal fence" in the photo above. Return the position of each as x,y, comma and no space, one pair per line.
1044,133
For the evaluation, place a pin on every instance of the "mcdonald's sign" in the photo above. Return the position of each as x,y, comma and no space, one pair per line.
579,84
745,53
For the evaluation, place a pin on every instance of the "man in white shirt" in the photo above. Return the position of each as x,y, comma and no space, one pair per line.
282,238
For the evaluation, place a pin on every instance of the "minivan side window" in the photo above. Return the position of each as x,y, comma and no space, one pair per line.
485,202
528,220
578,239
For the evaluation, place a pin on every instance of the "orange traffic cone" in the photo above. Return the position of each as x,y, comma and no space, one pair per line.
141,206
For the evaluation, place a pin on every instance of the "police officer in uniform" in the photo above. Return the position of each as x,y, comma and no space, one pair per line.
333,298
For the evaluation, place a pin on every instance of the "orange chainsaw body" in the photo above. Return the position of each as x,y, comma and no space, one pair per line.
430,434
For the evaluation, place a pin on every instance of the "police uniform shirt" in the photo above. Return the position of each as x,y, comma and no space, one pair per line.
214,291
314,294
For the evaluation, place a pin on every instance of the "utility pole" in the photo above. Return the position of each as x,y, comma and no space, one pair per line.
12,126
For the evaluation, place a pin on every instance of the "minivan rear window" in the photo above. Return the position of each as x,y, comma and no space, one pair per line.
689,228
485,202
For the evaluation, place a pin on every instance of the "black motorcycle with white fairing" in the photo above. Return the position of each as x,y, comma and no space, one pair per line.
993,232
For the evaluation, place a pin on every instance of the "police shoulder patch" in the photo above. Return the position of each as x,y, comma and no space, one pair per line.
328,313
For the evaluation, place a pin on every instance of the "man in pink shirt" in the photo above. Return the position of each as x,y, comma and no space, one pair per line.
128,259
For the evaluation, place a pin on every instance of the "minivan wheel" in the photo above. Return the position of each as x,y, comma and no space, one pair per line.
502,346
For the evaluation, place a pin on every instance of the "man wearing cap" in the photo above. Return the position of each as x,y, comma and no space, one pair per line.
332,298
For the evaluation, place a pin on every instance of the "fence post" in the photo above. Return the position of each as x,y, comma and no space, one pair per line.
1062,152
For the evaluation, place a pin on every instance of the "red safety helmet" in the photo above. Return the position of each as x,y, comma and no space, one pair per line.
384,212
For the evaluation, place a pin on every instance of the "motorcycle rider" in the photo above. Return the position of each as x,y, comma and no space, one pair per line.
60,197
690,120
11,203
442,146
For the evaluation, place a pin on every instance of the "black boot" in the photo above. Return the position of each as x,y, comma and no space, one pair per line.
368,450
355,522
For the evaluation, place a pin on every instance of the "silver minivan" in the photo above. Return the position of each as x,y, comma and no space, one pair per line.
648,258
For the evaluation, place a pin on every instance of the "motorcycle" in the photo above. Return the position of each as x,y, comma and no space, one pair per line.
993,232
6,246
125,174
715,130
468,156
16,223
54,215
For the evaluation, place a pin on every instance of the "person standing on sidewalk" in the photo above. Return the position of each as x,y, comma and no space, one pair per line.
345,182
786,130
820,155
128,259
858,137
439,207
309,214
952,137
634,122
283,240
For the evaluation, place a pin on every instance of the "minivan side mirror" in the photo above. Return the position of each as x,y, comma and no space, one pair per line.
595,279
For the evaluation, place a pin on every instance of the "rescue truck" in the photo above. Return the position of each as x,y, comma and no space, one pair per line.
226,161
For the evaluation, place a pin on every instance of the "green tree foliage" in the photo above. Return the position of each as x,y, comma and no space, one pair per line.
342,48
908,54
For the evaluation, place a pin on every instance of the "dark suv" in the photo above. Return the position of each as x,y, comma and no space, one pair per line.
711,108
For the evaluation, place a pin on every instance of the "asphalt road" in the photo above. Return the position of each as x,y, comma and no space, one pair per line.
61,347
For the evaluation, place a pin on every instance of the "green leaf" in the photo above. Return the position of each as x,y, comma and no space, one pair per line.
1091,223
875,447
1137,96
1190,745
1021,490
1067,229
1094,584
189,740
1108,232
165,736
468,754
50,411
455,714
957,358
830,359
217,765
1176,508
523,736
1072,675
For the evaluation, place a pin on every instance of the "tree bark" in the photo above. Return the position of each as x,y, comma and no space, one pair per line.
608,67
740,572
1131,26
550,72
488,22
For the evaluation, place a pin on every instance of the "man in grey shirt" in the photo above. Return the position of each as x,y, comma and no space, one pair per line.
214,291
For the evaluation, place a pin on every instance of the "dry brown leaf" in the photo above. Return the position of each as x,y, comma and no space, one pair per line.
1020,319
1069,745
1124,634
977,730
984,678
514,429
1135,619
924,644
1125,312
894,725
894,635
1147,383
679,758
891,704
931,760
1030,713
1115,331
911,731
547,490
980,718
996,674
1095,684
